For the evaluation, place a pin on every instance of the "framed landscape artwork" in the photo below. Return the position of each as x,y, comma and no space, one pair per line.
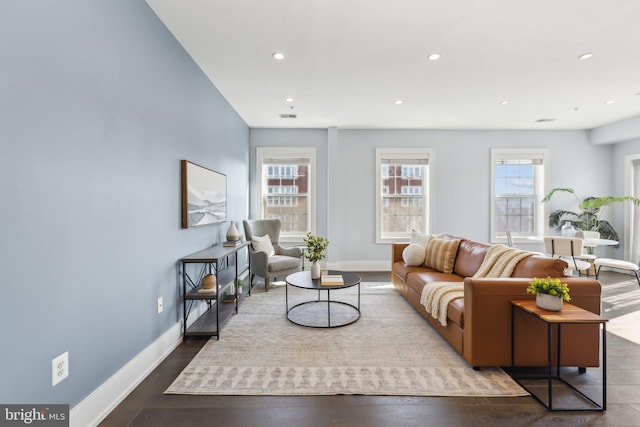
204,195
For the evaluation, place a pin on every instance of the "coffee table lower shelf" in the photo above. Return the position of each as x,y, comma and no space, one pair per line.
297,313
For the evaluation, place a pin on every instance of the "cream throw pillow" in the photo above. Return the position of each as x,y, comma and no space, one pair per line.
441,254
413,255
263,244
421,239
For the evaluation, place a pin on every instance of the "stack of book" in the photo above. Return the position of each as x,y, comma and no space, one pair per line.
331,280
231,243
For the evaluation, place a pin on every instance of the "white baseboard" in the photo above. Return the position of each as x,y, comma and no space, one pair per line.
95,407
360,265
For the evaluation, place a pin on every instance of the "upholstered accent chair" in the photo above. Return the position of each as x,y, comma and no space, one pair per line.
267,258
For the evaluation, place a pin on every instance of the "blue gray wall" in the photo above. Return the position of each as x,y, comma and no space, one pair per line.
98,105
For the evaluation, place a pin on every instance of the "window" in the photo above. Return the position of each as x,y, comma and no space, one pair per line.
402,188
517,187
286,188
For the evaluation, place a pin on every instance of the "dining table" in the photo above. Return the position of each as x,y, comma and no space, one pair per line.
589,242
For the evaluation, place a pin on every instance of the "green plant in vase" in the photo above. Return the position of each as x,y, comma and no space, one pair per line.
316,247
550,293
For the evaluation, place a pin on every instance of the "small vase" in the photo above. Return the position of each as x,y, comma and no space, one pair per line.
549,302
232,233
315,270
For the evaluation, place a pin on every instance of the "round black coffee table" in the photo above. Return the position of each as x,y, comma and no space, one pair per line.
312,313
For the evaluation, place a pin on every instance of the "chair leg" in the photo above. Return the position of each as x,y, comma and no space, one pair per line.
266,284
637,276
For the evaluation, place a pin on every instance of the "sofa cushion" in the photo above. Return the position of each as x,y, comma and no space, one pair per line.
402,270
469,258
539,266
441,254
281,263
417,279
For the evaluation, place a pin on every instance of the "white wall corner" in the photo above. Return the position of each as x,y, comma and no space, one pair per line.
620,131
96,406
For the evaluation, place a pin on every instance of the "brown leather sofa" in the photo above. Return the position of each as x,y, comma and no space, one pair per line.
479,325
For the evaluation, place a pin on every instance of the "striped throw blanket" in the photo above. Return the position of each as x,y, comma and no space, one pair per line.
436,297
500,261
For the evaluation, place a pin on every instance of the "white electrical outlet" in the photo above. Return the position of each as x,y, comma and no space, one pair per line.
60,368
160,305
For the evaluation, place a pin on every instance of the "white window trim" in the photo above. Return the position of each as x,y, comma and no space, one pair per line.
427,186
543,183
262,190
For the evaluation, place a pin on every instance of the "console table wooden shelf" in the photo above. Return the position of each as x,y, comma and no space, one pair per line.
570,314
214,260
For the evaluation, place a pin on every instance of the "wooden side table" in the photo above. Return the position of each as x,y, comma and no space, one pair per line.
570,314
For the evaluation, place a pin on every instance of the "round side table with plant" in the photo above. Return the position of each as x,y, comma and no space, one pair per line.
316,245
550,293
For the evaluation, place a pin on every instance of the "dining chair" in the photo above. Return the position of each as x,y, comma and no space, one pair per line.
588,254
617,264
568,249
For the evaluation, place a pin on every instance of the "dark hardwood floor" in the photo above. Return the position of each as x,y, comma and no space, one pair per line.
148,406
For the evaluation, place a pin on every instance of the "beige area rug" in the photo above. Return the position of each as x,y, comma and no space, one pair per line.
390,350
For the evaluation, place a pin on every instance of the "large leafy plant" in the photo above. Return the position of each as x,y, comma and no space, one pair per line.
588,218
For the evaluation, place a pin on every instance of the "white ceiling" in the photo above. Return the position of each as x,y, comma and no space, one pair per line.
347,61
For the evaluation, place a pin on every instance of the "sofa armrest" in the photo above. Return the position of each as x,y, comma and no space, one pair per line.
396,251
487,313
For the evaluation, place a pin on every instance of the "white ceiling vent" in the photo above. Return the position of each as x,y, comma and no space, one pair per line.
288,116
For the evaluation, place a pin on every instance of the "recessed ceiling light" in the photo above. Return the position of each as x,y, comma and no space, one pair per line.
609,102
505,102
434,56
587,55
278,56
289,99
398,101
545,120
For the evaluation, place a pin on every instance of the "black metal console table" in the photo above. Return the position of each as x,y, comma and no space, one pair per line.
214,260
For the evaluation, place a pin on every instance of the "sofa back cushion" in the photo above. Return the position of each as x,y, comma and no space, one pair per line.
441,254
469,258
539,266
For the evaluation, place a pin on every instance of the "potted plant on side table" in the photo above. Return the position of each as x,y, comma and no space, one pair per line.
316,245
550,293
